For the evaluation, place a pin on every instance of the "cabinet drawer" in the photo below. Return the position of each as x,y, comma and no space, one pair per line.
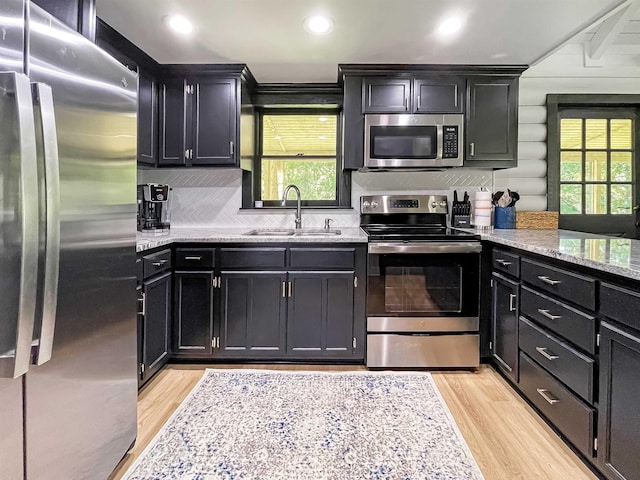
569,414
571,367
252,258
323,258
194,258
506,262
620,304
577,327
576,288
156,263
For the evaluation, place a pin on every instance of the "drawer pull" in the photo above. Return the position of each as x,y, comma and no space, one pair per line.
193,258
504,263
550,316
512,307
159,263
549,356
544,393
547,280
284,289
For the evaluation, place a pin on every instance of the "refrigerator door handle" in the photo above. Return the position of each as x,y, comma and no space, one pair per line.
44,97
16,363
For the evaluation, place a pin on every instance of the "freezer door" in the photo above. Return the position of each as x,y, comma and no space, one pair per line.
11,60
81,403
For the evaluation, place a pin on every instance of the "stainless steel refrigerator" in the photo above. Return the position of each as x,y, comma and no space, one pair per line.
68,381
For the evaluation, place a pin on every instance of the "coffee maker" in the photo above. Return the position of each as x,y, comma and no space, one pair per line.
153,208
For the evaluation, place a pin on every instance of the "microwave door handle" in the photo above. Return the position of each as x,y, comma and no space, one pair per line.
439,139
15,363
44,97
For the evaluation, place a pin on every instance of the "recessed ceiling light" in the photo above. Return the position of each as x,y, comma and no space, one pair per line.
319,24
179,24
277,137
322,119
322,137
449,26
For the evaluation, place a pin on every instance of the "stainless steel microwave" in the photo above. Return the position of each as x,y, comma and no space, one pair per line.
413,141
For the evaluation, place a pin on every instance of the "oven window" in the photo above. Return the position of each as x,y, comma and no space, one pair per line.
422,290
404,142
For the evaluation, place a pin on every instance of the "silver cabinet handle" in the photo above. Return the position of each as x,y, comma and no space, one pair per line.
512,307
406,103
504,263
545,313
544,393
44,96
290,289
418,105
548,281
472,149
17,87
284,289
543,351
232,148
159,263
193,258
143,302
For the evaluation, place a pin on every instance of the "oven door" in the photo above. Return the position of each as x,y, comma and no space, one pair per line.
424,282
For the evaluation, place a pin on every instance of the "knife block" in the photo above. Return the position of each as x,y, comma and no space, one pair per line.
461,221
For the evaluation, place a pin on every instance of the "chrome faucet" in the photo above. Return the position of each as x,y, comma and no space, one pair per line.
298,209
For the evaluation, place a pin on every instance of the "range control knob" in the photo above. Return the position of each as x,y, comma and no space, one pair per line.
434,204
443,203
374,204
366,204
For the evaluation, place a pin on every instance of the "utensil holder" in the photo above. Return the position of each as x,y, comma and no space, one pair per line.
504,217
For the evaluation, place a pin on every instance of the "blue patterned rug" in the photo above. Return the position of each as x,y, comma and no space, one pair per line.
274,425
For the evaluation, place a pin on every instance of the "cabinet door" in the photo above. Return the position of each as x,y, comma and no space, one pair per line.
193,318
386,95
438,94
492,122
157,318
504,316
253,316
147,119
215,122
619,405
320,315
173,122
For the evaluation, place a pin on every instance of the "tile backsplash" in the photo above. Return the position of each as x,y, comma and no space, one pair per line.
212,197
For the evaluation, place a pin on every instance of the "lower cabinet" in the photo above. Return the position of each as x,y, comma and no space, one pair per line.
320,321
504,319
193,315
155,322
253,314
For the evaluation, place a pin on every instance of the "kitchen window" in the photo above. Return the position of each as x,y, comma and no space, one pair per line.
592,174
300,147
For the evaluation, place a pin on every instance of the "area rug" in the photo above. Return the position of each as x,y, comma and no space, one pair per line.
275,425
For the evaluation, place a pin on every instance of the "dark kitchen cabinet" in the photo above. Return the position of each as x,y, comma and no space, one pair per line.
156,321
147,119
199,119
386,95
504,318
492,122
253,318
438,94
194,314
321,314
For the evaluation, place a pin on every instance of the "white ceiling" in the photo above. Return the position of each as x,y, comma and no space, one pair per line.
269,37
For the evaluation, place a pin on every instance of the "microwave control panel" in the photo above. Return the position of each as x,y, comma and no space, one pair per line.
450,141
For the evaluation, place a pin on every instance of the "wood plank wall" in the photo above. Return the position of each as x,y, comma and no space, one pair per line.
562,72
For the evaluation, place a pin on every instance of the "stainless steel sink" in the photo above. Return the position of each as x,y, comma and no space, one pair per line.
316,232
288,232
270,232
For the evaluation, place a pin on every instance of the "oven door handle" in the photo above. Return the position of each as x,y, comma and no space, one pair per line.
426,247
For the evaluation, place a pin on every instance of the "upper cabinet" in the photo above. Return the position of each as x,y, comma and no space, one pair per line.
492,122
432,94
487,96
147,119
199,121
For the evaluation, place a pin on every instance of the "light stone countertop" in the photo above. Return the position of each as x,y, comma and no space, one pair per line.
619,256
147,241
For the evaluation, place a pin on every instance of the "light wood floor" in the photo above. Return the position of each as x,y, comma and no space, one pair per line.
506,437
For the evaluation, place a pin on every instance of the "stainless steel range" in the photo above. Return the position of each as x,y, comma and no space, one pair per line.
423,284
